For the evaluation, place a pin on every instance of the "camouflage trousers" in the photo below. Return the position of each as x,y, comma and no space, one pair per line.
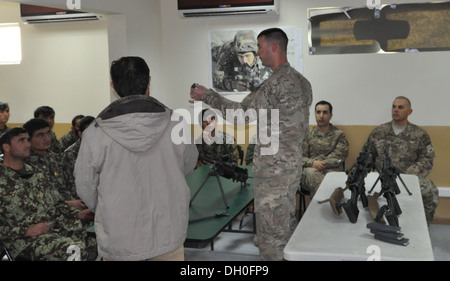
57,245
430,197
275,214
311,179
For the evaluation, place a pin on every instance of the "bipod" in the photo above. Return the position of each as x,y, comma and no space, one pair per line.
370,191
407,190
214,173
401,180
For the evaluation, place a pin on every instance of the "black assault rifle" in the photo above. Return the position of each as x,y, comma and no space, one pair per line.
356,184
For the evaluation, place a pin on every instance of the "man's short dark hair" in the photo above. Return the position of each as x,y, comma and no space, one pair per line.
7,136
130,76
85,122
74,119
35,124
208,112
3,106
325,103
44,111
276,35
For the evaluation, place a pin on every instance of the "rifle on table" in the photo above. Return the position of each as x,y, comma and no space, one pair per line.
389,189
356,184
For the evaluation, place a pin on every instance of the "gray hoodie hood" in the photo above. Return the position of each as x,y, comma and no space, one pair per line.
119,122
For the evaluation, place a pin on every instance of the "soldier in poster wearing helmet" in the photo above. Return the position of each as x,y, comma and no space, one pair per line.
238,69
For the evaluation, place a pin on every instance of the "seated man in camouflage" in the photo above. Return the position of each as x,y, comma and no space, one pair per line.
48,162
71,153
325,148
72,136
410,150
4,117
48,114
214,145
35,223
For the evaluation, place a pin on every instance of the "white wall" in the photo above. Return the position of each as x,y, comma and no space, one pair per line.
64,66
68,63
361,87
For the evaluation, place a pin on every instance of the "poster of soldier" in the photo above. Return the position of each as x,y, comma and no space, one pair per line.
235,67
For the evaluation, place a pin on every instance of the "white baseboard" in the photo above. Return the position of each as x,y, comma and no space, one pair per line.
444,191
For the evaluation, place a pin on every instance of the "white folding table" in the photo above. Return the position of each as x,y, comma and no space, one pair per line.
323,235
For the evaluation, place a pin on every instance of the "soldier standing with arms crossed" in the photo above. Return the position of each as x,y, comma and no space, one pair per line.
277,174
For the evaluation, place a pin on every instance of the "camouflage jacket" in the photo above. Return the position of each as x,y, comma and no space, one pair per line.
54,168
69,157
288,92
411,151
67,140
26,199
56,146
4,130
226,151
329,147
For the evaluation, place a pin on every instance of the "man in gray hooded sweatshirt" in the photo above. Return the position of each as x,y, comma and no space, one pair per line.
131,174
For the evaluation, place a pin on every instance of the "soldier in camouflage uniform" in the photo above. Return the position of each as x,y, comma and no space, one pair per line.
410,149
324,150
4,117
48,114
276,174
35,223
72,136
238,68
71,153
48,162
214,145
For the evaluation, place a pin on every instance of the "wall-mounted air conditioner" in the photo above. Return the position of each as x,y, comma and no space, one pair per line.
207,8
36,14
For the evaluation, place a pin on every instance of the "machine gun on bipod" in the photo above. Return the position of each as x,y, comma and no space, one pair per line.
389,189
226,170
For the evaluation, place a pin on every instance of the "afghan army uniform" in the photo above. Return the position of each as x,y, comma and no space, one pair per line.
330,147
225,151
67,140
277,174
56,146
69,158
411,152
1,133
26,199
4,130
52,166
